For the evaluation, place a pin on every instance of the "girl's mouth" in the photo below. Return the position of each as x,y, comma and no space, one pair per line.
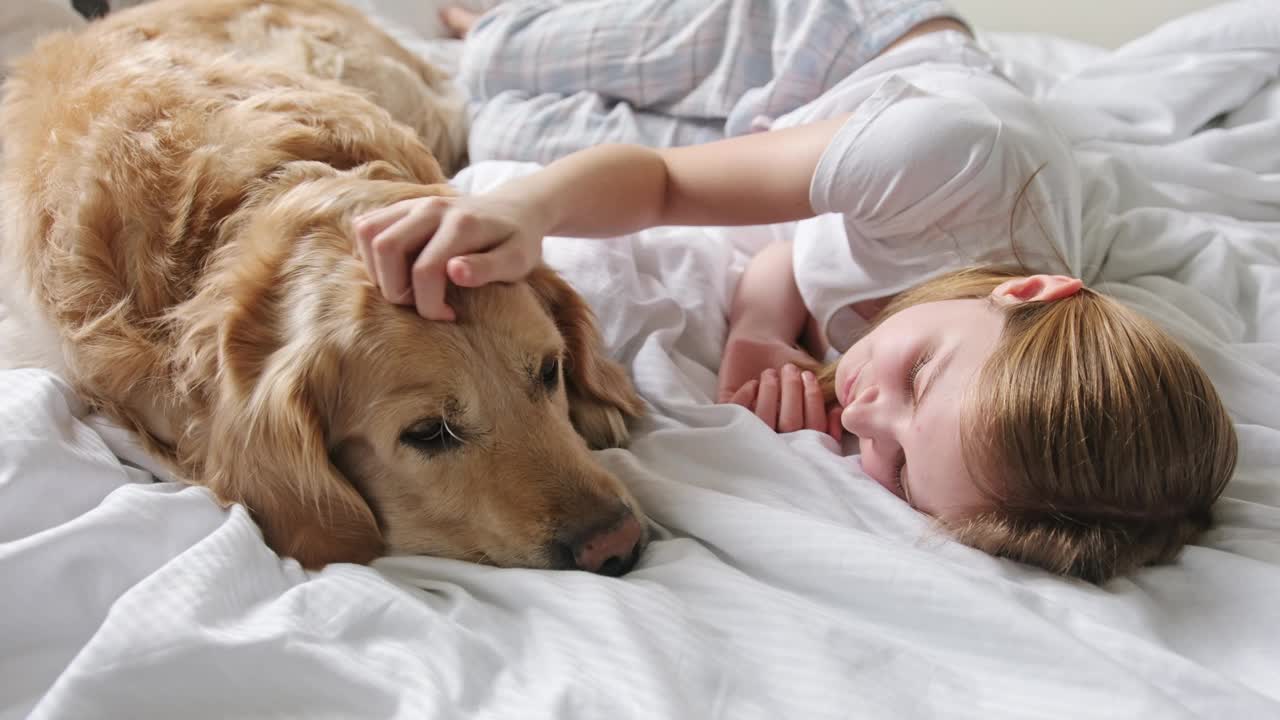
846,392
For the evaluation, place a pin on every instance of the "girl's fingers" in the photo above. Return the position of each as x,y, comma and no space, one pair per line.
459,232
414,248
815,410
791,404
767,398
834,428
746,395
725,395
394,248
505,263
368,226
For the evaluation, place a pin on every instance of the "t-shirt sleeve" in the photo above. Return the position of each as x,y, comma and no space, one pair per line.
906,159
933,172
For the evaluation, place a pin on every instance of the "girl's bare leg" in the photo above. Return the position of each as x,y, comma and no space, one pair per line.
458,21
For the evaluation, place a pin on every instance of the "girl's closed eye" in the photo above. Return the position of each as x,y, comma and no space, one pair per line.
900,479
899,468
910,389
914,372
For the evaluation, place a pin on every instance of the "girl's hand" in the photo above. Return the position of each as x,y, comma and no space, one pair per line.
414,248
788,400
747,354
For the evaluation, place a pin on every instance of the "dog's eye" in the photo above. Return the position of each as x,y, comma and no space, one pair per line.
431,437
550,373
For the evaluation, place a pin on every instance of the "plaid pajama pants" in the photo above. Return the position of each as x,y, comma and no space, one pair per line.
548,77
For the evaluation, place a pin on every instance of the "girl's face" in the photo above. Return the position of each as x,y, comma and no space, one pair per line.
903,388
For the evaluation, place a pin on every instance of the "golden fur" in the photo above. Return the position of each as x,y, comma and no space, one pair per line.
180,180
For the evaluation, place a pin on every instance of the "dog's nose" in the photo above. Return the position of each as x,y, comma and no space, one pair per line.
612,550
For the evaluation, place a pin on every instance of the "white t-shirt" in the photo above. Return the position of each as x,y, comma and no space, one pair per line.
923,179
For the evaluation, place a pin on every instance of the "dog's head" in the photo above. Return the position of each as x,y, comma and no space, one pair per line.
352,427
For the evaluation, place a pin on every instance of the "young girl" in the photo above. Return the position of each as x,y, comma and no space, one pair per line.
1032,417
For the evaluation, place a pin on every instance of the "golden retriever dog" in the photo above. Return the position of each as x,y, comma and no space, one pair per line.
179,184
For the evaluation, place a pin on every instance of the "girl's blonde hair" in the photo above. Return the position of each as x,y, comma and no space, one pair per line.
1100,441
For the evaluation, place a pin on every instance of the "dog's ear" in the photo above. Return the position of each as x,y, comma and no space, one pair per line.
268,451
600,393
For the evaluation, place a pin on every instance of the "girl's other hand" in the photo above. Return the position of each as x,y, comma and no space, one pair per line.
747,354
788,400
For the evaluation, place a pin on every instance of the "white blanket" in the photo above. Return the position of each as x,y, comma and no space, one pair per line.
785,584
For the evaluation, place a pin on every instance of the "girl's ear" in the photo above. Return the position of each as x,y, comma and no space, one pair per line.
1036,288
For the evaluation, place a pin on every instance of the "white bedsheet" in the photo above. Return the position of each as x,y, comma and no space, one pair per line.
785,584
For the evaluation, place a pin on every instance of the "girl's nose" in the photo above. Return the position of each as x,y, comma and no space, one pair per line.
867,415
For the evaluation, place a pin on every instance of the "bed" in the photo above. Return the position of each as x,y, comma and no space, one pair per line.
783,583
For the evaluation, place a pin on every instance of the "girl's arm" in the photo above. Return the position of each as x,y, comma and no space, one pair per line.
604,191
767,303
766,319
611,190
